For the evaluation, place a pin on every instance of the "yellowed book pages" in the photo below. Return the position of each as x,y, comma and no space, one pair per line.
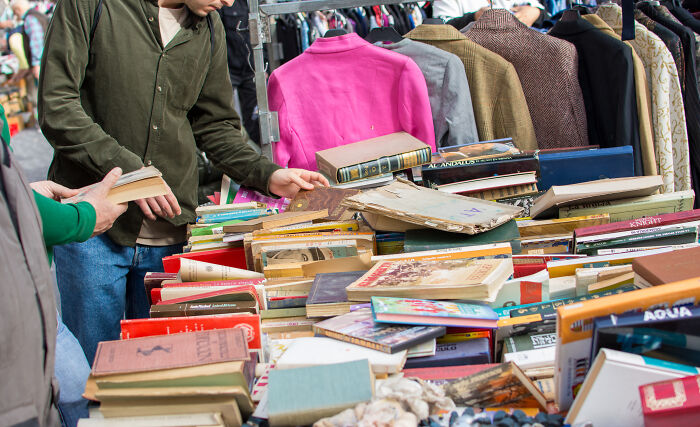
226,405
199,271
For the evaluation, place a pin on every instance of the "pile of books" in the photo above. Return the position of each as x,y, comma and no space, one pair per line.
588,314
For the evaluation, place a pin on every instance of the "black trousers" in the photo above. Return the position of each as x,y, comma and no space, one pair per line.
245,85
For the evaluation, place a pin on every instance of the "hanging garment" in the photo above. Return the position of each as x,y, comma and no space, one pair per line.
343,90
691,95
548,71
606,75
665,12
668,111
499,104
643,96
670,39
683,16
448,90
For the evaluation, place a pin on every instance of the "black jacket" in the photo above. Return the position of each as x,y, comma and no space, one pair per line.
240,51
606,76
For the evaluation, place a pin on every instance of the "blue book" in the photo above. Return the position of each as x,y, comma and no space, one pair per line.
425,312
470,352
573,167
671,334
244,215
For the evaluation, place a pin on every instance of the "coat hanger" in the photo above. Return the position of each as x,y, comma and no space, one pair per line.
383,34
334,32
570,15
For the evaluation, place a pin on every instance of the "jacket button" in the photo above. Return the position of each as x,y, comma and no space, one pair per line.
160,89
155,127
149,163
150,19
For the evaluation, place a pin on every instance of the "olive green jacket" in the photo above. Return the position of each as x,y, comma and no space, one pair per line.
122,99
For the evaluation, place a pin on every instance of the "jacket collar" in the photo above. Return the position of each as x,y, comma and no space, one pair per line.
193,22
337,44
572,27
499,19
435,32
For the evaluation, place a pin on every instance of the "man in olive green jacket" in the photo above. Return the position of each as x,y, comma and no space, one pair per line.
146,88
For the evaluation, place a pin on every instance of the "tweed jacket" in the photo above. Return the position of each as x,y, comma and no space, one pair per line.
668,111
548,71
499,104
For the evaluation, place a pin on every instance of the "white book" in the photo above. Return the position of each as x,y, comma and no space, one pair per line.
491,250
610,394
511,293
530,359
314,351
183,420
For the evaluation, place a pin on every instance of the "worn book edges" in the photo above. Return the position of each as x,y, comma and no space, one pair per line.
170,351
426,312
610,396
670,267
249,323
327,296
429,239
139,184
593,191
477,279
574,324
672,402
633,208
372,157
504,385
328,198
438,210
204,419
204,294
302,396
315,351
357,327
471,352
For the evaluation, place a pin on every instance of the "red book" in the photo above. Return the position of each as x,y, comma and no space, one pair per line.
216,296
522,270
249,323
226,283
671,403
154,280
634,224
445,373
230,257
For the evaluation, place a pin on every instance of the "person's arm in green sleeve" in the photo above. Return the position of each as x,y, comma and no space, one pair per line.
65,223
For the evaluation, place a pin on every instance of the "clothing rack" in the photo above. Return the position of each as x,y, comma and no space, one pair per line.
259,25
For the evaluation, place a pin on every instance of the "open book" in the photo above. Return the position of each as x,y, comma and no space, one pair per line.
139,184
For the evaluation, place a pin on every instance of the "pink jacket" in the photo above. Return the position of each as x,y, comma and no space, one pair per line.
343,90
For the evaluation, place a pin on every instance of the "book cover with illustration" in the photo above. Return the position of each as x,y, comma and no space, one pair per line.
418,311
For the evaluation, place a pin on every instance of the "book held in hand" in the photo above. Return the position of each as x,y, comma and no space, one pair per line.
425,312
139,184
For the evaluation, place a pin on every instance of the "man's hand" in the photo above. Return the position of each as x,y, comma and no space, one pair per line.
287,182
52,190
527,14
106,211
163,206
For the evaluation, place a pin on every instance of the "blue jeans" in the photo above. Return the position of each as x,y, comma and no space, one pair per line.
100,283
71,370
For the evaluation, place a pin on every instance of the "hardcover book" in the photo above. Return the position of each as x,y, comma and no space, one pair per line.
594,191
170,351
670,267
477,279
249,323
574,335
487,251
444,374
470,352
504,385
425,312
428,239
327,296
559,226
661,236
462,170
302,396
323,198
489,183
372,157
635,224
573,167
633,208
307,253
610,396
673,402
273,221
357,327
203,309
438,210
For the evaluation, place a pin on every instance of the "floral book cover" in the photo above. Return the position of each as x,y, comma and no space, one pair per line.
357,327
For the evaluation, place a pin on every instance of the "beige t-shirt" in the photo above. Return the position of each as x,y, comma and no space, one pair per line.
160,232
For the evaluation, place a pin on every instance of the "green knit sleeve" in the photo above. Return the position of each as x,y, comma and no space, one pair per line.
65,223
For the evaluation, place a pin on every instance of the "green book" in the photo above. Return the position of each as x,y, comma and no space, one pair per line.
677,236
633,208
529,342
429,239
302,396
277,313
213,229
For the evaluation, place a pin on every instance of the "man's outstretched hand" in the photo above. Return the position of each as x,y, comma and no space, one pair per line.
287,182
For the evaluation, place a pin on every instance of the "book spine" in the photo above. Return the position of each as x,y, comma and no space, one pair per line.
245,214
625,211
588,248
504,192
548,310
450,172
383,165
186,310
353,340
291,302
646,222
